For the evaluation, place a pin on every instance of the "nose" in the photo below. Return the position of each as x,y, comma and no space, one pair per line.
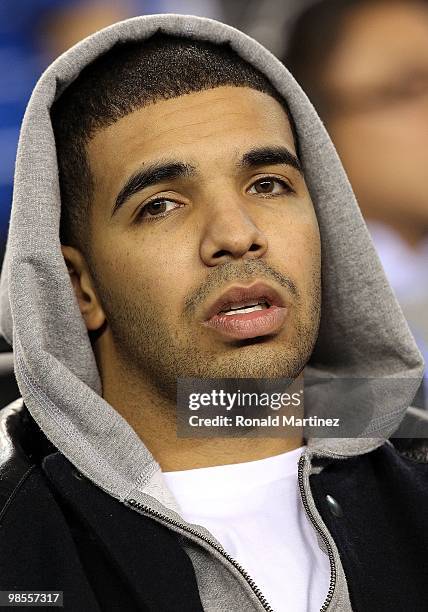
230,233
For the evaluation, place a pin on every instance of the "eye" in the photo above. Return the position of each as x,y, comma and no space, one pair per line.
270,186
156,209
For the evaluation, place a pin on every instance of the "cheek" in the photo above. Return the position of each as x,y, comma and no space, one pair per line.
295,243
151,268
166,261
296,252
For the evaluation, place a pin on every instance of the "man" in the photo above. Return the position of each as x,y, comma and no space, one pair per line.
197,190
364,65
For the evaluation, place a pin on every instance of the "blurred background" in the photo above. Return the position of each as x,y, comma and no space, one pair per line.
363,64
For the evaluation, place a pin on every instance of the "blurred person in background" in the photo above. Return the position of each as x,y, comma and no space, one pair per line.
364,65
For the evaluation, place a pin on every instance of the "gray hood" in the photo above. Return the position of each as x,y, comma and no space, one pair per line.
363,332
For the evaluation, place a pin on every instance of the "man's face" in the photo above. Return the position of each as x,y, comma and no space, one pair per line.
196,196
376,86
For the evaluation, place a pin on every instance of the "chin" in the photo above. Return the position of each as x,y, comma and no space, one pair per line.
269,363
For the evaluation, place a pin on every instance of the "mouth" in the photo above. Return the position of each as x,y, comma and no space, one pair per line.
247,312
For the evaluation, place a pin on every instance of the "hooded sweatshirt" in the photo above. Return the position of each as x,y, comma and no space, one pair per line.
363,334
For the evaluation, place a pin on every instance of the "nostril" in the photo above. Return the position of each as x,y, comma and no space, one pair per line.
254,247
221,254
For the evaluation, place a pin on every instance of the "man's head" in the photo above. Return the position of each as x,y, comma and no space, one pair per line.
129,77
364,64
180,180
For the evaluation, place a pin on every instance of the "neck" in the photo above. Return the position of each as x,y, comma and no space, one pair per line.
153,418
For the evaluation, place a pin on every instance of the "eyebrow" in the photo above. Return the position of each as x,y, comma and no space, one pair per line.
167,171
267,156
151,175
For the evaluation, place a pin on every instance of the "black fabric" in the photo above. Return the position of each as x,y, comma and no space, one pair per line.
146,555
4,346
382,536
108,586
62,532
37,551
8,386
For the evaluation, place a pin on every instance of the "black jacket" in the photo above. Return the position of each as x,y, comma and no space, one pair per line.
59,531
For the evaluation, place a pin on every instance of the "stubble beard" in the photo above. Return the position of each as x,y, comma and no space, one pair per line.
156,356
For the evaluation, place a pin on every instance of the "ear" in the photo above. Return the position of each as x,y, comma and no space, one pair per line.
80,277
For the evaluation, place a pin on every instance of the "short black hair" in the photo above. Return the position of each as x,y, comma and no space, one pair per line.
128,77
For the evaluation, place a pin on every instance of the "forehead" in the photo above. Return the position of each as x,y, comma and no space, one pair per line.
204,127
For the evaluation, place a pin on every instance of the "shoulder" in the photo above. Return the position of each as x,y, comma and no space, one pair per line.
33,527
23,445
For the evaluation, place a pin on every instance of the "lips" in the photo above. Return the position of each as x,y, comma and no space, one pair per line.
247,312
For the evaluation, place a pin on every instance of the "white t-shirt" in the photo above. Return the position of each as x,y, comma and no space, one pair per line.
254,510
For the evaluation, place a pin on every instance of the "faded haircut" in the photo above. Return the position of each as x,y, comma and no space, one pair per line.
127,78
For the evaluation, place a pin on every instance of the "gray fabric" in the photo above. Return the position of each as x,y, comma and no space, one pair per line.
363,332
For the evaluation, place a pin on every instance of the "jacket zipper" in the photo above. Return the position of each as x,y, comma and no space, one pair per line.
324,536
251,582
